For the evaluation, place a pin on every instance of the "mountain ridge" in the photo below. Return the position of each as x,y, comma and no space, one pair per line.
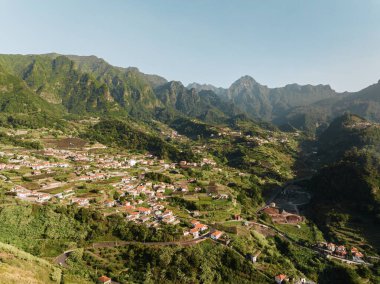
89,84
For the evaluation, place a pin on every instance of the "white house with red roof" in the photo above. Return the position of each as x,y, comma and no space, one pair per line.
216,235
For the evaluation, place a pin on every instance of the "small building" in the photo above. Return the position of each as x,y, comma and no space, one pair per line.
341,251
194,232
104,280
144,211
109,203
196,213
253,257
280,278
237,217
357,256
201,227
331,247
216,235
194,222
167,213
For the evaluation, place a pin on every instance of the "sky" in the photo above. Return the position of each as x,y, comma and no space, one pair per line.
277,42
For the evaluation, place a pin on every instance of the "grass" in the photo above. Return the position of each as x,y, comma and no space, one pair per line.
307,232
74,279
20,267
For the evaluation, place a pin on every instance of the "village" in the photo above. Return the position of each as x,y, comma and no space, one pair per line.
141,187
112,184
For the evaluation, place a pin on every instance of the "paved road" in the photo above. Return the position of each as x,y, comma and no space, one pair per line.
61,259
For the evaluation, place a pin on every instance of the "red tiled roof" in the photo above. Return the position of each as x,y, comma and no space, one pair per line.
217,233
354,249
193,230
143,209
281,276
200,226
104,279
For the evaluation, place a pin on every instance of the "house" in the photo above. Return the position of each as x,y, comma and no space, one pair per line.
253,257
109,203
132,162
168,219
43,197
216,235
104,280
132,216
354,250
80,201
331,247
183,163
196,213
160,196
144,211
194,232
201,227
21,192
194,223
167,213
340,250
144,219
237,217
280,278
357,256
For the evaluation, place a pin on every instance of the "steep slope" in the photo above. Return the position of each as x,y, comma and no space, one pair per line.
207,87
88,85
18,266
58,81
271,104
98,66
204,105
129,87
365,103
346,191
119,133
347,132
20,106
251,97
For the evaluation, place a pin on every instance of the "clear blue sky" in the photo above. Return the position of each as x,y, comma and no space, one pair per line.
277,42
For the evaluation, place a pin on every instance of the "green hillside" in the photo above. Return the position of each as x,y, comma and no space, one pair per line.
17,266
346,190
20,106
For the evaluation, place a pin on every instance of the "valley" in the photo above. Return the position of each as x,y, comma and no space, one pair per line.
111,174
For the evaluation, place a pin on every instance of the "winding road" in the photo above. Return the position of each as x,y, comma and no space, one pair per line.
61,259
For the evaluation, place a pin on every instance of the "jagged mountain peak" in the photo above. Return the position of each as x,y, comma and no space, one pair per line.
246,81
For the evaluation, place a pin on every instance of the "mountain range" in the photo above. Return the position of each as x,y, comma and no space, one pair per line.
69,84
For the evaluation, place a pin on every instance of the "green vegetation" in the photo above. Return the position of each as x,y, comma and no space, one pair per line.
48,230
21,267
346,202
47,101
204,263
10,140
119,133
